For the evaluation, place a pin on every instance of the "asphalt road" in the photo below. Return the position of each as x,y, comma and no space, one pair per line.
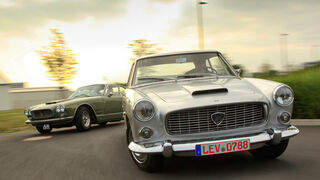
101,153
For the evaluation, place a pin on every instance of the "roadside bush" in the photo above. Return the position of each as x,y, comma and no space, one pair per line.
306,87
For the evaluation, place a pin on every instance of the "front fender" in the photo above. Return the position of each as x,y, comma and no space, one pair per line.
267,88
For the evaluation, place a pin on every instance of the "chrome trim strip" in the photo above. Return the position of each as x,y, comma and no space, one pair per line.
263,137
100,115
141,149
53,120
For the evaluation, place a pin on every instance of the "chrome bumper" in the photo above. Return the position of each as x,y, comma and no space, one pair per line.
49,121
167,148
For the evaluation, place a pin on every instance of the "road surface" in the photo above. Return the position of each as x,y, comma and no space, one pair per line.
101,153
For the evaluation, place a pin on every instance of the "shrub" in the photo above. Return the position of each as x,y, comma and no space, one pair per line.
306,86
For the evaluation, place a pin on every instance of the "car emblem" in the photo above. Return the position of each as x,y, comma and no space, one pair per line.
41,114
217,118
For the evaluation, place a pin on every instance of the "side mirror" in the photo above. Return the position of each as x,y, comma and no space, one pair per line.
110,94
238,71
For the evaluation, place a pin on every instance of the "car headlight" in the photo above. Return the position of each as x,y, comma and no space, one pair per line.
144,110
60,108
27,112
283,95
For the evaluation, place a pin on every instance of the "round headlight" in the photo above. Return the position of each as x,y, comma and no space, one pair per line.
283,95
144,110
60,108
27,112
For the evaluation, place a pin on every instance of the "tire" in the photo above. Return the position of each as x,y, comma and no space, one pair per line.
83,119
270,151
146,162
43,131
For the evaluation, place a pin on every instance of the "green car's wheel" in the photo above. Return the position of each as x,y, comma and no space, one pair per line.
83,119
146,162
270,151
43,131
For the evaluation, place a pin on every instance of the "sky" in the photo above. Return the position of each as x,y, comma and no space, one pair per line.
99,32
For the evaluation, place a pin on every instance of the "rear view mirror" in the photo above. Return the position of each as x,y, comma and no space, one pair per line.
238,71
110,94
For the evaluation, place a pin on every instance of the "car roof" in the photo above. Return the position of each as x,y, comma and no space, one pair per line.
177,52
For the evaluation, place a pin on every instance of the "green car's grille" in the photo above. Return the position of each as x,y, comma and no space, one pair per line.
42,114
198,120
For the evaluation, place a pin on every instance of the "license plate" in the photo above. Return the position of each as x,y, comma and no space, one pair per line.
222,147
46,126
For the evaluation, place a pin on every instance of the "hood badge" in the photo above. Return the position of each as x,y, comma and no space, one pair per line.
217,118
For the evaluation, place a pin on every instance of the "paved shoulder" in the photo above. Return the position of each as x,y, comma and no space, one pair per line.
101,153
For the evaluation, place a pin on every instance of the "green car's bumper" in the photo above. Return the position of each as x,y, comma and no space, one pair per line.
53,121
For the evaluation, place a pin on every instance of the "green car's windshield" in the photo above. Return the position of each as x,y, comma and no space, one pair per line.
87,91
182,66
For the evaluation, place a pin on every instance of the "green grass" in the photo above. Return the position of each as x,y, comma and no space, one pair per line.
13,121
306,86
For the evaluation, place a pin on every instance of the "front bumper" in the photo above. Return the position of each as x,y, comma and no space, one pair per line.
168,148
50,121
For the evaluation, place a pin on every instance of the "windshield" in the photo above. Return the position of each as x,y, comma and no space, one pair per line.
181,66
87,91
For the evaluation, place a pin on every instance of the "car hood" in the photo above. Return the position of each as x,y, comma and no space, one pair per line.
49,104
218,90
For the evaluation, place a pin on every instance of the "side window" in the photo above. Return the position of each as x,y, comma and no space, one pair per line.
122,91
101,91
113,89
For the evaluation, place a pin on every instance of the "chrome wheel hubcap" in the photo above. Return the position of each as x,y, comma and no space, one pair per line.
140,158
86,119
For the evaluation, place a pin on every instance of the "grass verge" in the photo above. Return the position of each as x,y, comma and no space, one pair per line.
13,121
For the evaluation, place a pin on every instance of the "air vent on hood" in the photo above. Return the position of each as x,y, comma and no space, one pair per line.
209,91
51,102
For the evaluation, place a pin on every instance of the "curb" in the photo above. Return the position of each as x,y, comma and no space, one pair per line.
305,122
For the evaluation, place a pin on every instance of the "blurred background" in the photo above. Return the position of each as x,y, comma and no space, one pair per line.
48,48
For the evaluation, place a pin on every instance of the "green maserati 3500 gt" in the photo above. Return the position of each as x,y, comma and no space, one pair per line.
94,104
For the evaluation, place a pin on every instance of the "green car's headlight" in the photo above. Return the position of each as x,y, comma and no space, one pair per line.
27,112
144,110
283,95
60,108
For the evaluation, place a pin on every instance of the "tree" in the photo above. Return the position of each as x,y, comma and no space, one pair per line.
58,59
265,68
142,47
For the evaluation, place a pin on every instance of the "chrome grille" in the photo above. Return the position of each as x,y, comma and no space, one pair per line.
199,120
42,114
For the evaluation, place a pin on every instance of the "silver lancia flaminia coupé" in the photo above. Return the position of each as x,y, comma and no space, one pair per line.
195,104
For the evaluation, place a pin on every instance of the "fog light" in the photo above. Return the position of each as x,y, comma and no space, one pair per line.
284,117
146,132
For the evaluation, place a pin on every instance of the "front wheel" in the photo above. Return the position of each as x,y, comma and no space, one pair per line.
146,162
83,119
270,151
